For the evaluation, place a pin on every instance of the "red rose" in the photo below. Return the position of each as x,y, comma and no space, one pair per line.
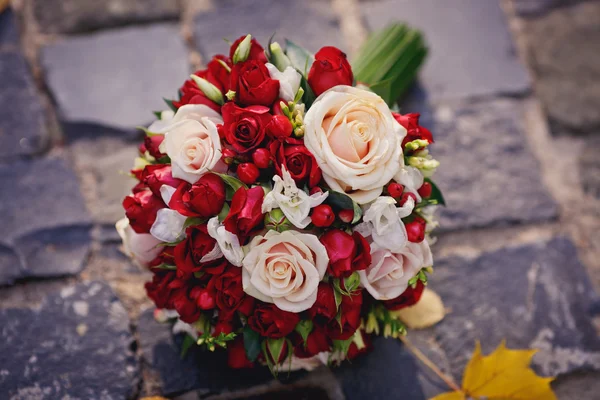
236,354
354,351
151,144
324,305
159,291
245,213
166,256
189,299
297,160
141,208
216,74
154,176
349,317
316,342
331,68
414,130
346,253
229,293
253,85
244,128
189,253
410,297
256,51
272,322
205,198
222,326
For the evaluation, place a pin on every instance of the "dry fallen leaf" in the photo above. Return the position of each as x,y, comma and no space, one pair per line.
504,374
427,312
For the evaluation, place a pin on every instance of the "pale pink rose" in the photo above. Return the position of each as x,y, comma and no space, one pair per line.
355,140
285,269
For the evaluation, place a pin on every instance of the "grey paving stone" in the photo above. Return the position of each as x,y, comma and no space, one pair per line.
69,16
471,52
200,370
310,23
9,31
103,162
488,175
77,346
568,89
590,166
22,121
44,220
533,8
534,296
388,372
115,78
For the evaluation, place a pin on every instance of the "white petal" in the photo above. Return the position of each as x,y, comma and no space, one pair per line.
168,226
166,192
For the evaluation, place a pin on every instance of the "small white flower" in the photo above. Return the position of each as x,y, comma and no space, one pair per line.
168,226
227,242
140,247
382,221
295,203
289,81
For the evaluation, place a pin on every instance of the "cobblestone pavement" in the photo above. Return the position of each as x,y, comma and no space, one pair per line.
510,89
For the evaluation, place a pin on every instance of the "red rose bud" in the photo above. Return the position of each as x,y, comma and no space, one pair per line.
205,198
324,306
296,158
228,156
272,322
189,253
347,253
316,342
152,143
248,173
349,317
413,130
224,327
315,190
142,148
425,190
236,354
405,196
203,298
280,126
416,230
346,215
192,94
154,176
244,128
141,208
229,293
331,68
245,213
261,158
256,50
395,190
251,82
276,109
410,297
322,216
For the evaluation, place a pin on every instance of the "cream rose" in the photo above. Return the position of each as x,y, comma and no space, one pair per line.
191,141
285,269
355,140
388,275
140,247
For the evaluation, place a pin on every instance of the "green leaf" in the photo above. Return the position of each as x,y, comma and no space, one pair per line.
157,114
191,221
338,299
436,193
165,266
223,213
170,104
188,341
309,96
304,328
342,345
232,182
251,343
275,347
301,58
352,282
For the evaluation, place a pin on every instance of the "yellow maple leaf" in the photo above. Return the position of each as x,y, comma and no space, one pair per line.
504,374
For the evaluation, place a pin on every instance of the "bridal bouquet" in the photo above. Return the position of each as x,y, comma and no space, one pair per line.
282,208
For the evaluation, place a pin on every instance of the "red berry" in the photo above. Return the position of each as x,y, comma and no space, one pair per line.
322,216
346,215
425,190
261,158
315,190
227,156
248,173
280,126
405,196
416,230
395,190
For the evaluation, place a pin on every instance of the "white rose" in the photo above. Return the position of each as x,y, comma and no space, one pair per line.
295,203
411,178
388,275
382,220
289,81
285,269
191,141
140,247
227,243
355,140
